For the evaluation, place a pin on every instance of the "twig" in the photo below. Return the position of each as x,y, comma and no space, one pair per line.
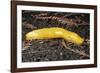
33,52
75,51
59,19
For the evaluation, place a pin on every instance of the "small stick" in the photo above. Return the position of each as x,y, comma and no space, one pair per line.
76,51
33,52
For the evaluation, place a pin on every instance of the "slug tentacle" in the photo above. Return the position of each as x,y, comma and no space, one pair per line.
55,32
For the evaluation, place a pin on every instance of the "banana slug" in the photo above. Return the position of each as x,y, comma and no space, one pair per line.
55,32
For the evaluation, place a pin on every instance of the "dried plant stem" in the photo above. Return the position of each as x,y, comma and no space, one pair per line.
75,51
35,52
63,20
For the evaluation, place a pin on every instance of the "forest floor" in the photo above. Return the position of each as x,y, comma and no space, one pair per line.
55,49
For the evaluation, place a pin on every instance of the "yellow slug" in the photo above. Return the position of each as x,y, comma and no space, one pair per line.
55,32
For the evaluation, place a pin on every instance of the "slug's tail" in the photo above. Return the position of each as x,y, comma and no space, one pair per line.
73,37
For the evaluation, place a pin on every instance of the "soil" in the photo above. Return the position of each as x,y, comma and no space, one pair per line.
55,49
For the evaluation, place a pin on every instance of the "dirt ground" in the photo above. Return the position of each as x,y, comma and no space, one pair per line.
55,49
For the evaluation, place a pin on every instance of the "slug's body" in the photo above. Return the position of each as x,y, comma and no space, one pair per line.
55,32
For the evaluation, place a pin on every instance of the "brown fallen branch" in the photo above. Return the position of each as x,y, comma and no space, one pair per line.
63,20
59,19
75,51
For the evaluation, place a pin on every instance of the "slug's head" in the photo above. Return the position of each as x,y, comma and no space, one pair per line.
28,36
28,39
31,35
